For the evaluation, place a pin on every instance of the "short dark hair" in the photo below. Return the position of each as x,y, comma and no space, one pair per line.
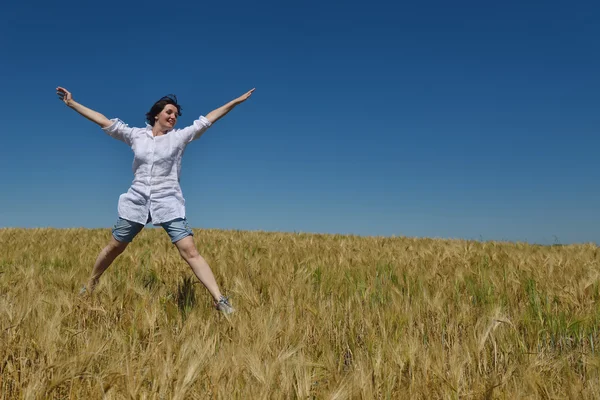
160,105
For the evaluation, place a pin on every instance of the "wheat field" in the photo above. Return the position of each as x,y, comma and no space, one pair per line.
319,316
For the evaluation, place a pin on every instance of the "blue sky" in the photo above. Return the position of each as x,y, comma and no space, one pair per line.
437,119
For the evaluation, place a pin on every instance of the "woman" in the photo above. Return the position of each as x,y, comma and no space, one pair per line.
155,195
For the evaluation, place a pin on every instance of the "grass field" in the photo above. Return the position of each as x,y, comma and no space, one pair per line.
319,316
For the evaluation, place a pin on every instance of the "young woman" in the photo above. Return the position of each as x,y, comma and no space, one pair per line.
155,195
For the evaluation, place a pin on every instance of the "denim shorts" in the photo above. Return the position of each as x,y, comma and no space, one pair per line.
125,230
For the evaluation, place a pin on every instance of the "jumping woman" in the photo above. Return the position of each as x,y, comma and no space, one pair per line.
155,195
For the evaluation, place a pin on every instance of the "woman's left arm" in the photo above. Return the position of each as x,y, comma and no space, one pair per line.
220,112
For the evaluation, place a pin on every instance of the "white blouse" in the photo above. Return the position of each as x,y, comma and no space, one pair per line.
155,188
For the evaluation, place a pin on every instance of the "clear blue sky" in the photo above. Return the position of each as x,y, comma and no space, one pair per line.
476,120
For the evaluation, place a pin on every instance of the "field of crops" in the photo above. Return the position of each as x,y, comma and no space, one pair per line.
319,316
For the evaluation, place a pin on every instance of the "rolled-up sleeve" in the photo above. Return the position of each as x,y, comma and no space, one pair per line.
195,130
119,130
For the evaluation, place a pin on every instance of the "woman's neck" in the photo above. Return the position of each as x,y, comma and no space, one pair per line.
158,130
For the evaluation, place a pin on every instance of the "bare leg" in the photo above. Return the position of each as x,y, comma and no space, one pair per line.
105,258
187,250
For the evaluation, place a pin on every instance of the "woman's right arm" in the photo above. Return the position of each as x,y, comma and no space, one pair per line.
92,115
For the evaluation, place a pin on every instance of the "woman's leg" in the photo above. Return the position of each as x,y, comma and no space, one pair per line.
105,258
187,250
122,234
183,237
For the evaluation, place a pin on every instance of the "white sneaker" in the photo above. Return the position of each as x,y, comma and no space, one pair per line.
224,306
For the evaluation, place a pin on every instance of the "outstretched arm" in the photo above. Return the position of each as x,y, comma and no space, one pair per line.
220,112
92,115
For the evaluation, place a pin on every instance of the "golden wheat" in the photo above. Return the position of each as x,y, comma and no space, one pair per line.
319,316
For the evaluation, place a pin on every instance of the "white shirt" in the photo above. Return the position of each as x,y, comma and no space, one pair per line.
155,188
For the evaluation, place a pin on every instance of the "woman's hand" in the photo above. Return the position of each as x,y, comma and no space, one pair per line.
64,95
244,97
94,116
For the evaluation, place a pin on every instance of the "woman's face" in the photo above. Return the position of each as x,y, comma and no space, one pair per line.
168,116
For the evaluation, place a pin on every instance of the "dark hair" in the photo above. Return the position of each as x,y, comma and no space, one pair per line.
160,105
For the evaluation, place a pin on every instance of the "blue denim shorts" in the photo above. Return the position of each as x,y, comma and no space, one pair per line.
125,230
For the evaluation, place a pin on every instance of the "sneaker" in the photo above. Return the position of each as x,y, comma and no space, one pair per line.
83,291
224,306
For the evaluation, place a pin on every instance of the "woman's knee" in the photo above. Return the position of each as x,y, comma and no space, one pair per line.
115,247
187,249
189,253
